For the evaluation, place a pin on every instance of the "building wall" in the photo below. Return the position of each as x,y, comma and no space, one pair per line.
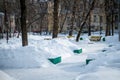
98,16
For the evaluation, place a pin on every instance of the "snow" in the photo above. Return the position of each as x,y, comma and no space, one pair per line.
101,74
37,53
31,62
4,76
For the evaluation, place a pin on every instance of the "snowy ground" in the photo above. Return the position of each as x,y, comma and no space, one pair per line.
31,62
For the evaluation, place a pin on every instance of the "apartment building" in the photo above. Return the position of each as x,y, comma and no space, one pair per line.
98,16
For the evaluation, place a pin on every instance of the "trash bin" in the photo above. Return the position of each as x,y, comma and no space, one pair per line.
104,39
88,60
81,38
55,60
78,51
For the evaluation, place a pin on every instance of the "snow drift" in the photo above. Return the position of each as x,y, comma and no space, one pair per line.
13,55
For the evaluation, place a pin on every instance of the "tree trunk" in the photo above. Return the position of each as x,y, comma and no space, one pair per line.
10,28
18,26
89,27
112,22
119,19
6,20
119,30
41,26
23,23
106,31
56,20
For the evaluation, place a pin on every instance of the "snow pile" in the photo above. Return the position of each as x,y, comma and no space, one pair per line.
4,76
13,55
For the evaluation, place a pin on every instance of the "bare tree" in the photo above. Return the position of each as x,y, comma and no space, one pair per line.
73,18
109,10
38,17
84,21
65,9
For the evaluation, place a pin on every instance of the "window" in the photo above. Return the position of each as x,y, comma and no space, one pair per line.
101,19
116,18
95,18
